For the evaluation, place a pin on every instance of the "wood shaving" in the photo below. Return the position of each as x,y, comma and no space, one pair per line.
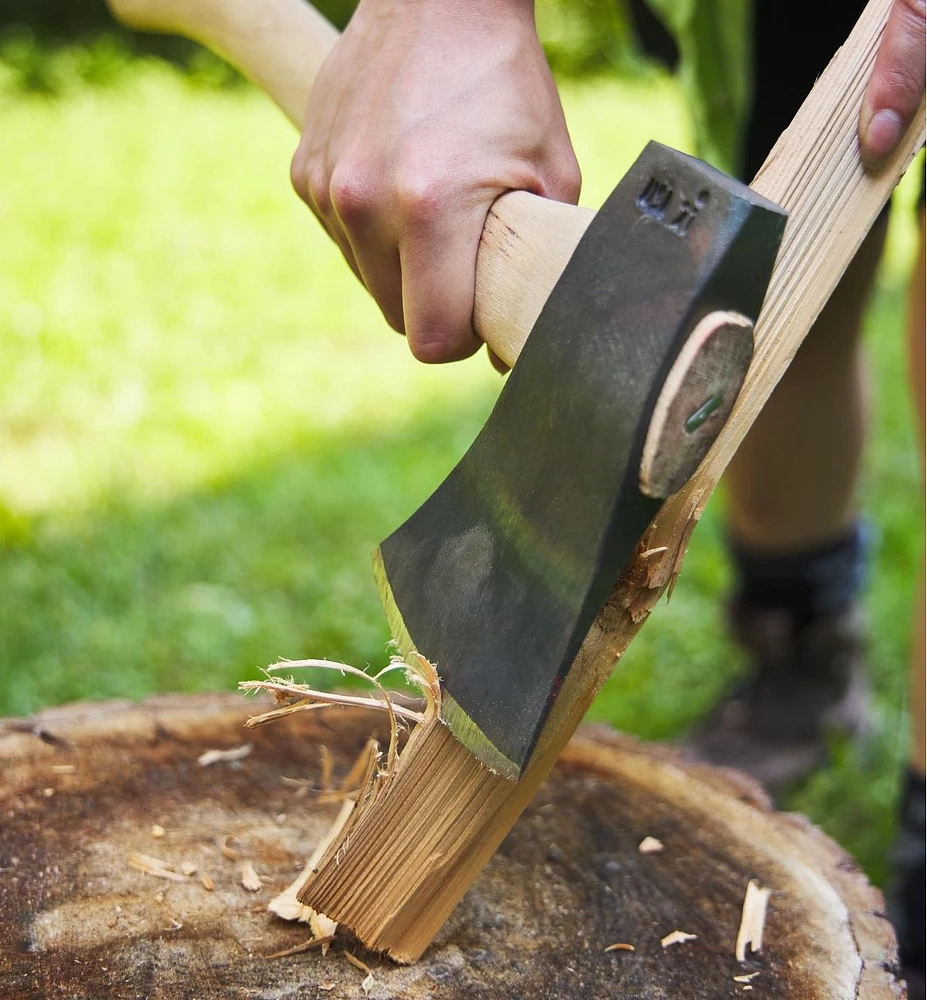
619,946
650,845
752,921
746,978
64,768
650,553
368,984
216,756
298,949
288,907
326,987
188,868
357,963
250,879
48,792
154,866
227,852
208,883
325,768
676,937
295,697
357,777
158,831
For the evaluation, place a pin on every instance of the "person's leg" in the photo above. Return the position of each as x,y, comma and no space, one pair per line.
795,540
798,554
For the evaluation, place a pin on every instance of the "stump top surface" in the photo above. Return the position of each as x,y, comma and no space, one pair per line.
84,786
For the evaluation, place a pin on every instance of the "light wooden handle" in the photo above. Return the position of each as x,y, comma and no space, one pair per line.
280,45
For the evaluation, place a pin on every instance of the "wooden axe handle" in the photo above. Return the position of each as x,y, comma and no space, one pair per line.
280,45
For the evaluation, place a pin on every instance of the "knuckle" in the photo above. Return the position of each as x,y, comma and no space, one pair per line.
568,181
350,194
298,175
419,197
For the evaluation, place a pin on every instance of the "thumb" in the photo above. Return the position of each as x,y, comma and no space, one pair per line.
896,86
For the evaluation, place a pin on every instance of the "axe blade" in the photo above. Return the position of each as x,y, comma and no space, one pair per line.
498,577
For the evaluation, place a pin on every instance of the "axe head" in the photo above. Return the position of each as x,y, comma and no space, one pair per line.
498,577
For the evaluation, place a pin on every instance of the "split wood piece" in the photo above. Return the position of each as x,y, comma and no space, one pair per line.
814,172
77,920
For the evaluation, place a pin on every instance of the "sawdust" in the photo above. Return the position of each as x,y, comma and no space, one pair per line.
650,845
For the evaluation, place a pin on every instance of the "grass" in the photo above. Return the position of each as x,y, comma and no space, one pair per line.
206,427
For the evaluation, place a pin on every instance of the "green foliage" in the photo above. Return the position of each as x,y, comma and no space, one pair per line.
55,45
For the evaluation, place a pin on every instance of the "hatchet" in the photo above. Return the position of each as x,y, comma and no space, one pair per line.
640,321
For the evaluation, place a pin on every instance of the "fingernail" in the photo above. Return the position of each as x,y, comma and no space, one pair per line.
881,136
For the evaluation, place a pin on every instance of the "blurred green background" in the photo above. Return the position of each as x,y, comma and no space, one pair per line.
206,427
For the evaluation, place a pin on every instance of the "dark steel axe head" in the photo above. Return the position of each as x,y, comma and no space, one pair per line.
498,577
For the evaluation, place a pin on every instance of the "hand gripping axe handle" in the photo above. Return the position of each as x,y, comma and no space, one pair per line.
640,319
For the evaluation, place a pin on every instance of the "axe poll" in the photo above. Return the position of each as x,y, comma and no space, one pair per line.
640,318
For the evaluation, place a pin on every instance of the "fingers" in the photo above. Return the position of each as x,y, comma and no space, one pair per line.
896,86
437,253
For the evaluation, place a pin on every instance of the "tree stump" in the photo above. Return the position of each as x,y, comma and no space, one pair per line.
85,787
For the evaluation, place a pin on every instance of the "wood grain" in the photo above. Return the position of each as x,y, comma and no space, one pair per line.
83,785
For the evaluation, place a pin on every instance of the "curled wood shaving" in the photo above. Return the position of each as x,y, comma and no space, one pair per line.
208,883
295,697
356,962
746,978
250,879
298,949
650,845
154,866
369,982
676,937
227,851
215,756
619,946
752,921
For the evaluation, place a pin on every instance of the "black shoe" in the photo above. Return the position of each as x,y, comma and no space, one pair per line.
809,683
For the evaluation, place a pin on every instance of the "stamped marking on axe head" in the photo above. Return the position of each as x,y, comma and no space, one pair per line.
498,577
